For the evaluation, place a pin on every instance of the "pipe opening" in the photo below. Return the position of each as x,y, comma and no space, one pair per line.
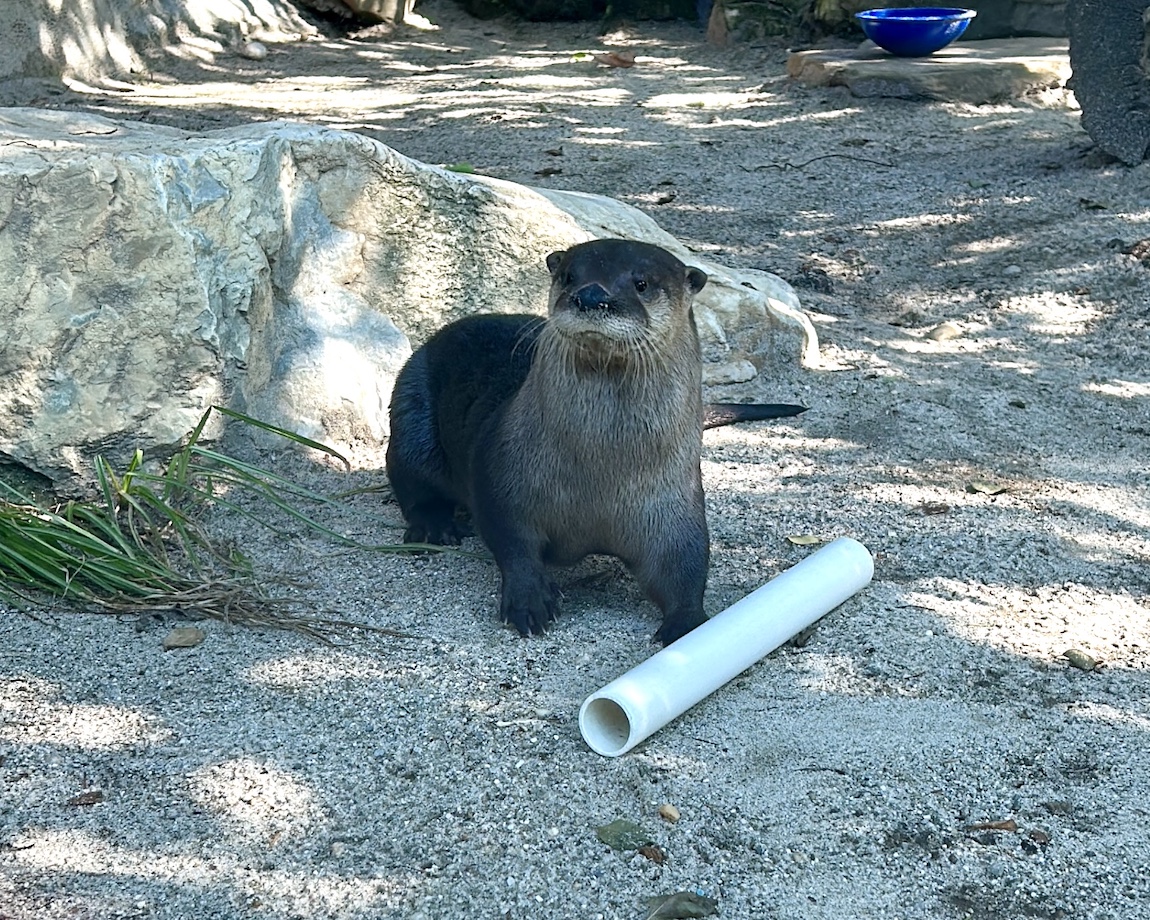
605,726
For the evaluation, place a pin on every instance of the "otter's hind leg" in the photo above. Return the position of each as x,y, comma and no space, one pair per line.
417,466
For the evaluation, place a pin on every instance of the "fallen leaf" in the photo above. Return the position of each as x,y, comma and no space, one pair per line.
1008,824
804,539
460,168
549,171
183,637
680,904
653,852
622,834
665,198
1091,205
88,797
982,487
554,152
616,58
934,507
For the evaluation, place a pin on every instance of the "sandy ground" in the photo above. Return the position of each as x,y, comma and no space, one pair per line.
928,753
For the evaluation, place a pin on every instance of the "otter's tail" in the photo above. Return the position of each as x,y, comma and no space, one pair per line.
718,414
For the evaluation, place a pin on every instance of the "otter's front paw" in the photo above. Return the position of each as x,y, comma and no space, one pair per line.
530,602
675,627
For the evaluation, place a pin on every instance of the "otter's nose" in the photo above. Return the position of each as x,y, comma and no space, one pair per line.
591,297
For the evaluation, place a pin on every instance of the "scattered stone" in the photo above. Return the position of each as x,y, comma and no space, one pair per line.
669,813
1079,659
183,637
1012,270
944,332
653,852
255,51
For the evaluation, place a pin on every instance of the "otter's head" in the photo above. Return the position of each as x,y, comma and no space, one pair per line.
610,297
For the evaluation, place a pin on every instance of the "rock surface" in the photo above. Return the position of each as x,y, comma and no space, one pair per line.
972,72
1110,54
147,274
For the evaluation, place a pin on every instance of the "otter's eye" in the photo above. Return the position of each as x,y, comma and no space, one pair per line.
640,285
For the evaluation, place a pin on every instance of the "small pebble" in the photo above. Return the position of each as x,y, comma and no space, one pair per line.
669,813
944,332
183,637
255,51
1012,270
1079,659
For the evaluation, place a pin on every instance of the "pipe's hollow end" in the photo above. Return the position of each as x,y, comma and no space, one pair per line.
605,726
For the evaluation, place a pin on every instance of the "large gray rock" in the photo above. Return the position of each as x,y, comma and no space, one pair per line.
146,274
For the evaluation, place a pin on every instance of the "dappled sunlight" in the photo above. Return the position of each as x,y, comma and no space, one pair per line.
256,799
33,714
324,891
1053,313
987,245
703,100
78,851
1119,389
319,670
1108,715
841,675
1040,622
918,222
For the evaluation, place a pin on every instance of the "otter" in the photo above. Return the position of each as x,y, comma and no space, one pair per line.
569,436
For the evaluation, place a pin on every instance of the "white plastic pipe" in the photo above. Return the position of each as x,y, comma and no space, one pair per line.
636,705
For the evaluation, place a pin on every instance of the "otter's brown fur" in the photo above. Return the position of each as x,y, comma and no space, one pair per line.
577,435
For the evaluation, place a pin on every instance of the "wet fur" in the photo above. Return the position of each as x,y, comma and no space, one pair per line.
577,435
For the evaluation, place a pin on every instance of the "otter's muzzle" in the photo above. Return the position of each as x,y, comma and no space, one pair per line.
590,299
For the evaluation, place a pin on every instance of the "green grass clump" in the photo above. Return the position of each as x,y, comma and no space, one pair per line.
139,547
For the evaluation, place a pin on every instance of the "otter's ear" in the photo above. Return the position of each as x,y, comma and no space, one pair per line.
696,278
553,261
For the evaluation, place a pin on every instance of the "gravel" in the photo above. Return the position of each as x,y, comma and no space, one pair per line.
929,752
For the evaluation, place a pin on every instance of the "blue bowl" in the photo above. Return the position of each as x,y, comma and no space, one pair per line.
914,31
